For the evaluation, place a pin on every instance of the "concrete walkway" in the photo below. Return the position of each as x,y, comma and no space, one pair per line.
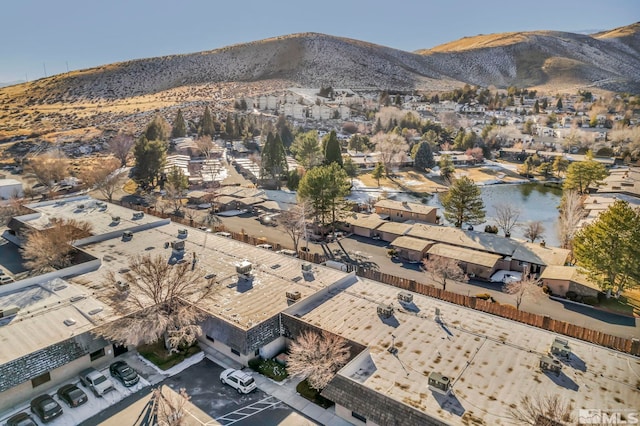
285,391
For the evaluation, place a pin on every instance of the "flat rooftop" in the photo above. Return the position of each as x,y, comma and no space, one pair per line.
492,362
242,302
41,312
101,215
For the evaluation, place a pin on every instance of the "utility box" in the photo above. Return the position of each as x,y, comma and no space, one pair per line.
405,296
439,382
549,363
385,311
561,348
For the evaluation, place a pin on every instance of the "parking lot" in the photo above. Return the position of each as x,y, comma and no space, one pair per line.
75,416
223,403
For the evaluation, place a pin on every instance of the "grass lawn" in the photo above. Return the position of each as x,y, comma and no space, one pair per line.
157,354
628,303
269,368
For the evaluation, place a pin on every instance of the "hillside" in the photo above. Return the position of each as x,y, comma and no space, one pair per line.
126,91
547,59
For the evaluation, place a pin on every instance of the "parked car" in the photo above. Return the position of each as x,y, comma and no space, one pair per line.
46,408
239,380
96,381
5,279
121,371
72,395
21,419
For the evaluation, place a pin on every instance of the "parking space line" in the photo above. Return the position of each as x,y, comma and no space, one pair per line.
255,408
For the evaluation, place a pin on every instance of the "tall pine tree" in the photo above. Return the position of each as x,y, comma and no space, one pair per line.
463,203
332,153
179,129
424,157
273,163
207,126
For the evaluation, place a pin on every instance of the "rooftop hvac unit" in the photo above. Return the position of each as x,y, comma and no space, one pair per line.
384,310
560,347
138,215
549,363
307,267
9,311
127,235
293,295
439,382
115,219
244,268
80,206
182,233
69,322
177,246
405,296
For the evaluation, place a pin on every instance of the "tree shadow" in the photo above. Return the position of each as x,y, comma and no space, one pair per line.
449,402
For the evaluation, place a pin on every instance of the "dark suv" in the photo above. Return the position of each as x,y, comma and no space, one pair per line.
46,408
121,371
72,395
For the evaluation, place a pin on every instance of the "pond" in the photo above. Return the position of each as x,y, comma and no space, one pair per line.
535,201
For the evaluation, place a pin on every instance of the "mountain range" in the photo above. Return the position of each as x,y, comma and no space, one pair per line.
549,61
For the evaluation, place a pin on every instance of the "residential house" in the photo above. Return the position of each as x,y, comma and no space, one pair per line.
401,211
563,279
474,263
362,224
389,231
410,248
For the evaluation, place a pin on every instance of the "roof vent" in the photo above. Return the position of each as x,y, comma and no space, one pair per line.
78,297
60,203
439,382
385,311
115,219
69,322
122,285
95,311
80,206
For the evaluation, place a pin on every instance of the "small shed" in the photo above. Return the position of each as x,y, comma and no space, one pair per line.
439,382
10,188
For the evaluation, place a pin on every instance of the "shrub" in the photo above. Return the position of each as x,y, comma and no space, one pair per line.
483,296
545,289
491,229
571,295
590,300
269,368
312,395
602,296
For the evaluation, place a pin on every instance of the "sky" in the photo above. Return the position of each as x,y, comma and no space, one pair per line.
38,36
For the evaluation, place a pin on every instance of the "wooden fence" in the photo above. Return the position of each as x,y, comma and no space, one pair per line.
630,346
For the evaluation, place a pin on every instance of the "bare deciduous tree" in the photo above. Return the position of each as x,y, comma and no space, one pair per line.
49,168
506,217
11,209
542,411
169,408
294,222
527,286
317,357
442,269
571,213
392,148
120,146
51,248
534,230
103,177
158,303
204,145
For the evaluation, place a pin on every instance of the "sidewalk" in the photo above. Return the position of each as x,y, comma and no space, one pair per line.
285,391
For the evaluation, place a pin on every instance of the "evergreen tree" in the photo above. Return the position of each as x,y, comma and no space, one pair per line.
583,174
228,127
150,158
463,203
559,104
283,129
179,129
536,107
351,168
359,143
545,103
447,168
325,188
377,128
158,129
378,172
609,247
273,163
306,149
293,180
332,152
207,126
424,157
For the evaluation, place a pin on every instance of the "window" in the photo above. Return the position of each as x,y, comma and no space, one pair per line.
97,354
41,379
235,352
359,416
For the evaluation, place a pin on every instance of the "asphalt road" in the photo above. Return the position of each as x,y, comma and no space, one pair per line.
373,254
